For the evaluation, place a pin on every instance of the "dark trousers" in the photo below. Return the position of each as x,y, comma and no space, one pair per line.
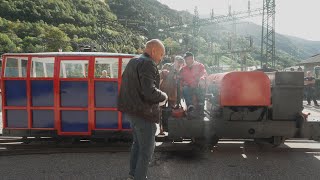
143,145
189,92
310,93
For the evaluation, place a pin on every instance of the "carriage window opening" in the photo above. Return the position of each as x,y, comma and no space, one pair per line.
42,67
125,61
11,69
74,69
50,69
106,68
16,67
24,64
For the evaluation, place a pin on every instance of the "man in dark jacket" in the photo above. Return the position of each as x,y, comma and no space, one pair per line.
139,100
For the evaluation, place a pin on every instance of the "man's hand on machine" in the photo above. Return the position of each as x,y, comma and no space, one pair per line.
202,83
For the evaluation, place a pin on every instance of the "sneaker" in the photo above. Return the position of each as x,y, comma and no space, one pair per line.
316,105
309,104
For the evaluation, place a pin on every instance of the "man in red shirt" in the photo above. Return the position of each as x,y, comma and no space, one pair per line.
192,79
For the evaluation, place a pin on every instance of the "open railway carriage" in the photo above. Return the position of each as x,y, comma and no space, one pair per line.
63,94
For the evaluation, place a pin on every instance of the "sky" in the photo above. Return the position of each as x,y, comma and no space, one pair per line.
293,17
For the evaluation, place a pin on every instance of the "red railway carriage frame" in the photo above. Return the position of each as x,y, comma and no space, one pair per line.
91,79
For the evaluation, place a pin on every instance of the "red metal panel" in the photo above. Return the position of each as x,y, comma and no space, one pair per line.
15,107
17,128
110,80
106,79
91,118
73,79
243,88
57,109
58,100
107,129
29,90
42,108
4,122
42,128
74,133
14,78
41,78
29,93
74,108
56,94
75,58
105,109
119,84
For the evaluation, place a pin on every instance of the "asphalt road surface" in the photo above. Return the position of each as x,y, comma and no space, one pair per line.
297,159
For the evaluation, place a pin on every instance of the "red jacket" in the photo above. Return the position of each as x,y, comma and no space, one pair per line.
191,76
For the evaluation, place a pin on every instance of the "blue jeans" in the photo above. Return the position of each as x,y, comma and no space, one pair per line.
143,145
189,92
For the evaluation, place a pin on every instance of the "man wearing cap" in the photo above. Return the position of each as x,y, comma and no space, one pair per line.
193,77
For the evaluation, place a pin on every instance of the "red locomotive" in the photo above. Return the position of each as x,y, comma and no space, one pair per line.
249,105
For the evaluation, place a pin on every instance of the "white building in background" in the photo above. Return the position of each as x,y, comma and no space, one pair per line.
294,68
252,68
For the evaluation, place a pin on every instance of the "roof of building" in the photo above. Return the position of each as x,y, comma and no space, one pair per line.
69,54
312,59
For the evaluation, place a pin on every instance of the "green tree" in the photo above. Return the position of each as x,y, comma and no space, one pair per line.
31,44
6,45
55,39
172,46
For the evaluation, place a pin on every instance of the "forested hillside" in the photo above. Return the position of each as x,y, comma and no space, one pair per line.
47,25
124,26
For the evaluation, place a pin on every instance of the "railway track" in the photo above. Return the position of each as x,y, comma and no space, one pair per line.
22,146
16,146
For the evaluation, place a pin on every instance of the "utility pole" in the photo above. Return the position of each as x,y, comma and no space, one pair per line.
268,34
195,31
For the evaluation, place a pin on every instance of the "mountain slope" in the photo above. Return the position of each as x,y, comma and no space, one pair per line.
124,26
44,25
297,47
